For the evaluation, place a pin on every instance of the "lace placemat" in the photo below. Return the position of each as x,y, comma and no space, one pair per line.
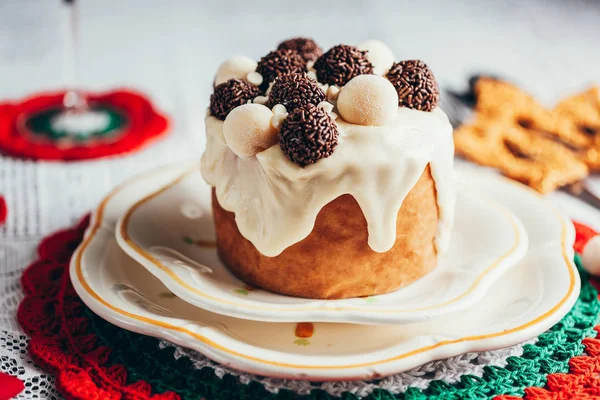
42,196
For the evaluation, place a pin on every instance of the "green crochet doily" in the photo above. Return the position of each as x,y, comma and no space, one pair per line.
550,354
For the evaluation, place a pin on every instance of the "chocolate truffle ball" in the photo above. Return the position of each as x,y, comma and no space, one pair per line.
415,84
229,95
308,49
342,63
295,90
279,62
307,135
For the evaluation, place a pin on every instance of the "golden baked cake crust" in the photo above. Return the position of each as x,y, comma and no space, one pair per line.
335,260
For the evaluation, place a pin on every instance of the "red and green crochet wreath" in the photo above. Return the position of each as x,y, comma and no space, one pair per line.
93,359
132,124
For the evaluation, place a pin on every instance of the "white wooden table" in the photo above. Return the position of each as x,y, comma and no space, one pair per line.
171,49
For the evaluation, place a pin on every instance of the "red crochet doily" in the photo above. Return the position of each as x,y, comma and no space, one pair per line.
9,386
3,210
583,233
51,314
143,125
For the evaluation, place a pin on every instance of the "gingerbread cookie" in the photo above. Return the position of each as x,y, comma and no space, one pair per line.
509,120
496,97
534,160
578,116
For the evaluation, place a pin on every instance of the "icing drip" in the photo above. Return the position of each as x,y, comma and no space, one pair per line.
276,202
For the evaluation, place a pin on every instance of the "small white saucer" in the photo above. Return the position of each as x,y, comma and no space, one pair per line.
525,301
171,233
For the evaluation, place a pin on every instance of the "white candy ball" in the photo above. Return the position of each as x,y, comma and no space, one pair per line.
236,67
590,258
369,100
379,54
248,130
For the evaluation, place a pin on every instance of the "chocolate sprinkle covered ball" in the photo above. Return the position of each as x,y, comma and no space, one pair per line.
279,62
415,84
307,135
295,90
342,63
229,95
309,50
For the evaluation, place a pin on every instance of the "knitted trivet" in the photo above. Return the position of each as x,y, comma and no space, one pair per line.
3,210
132,123
93,359
10,386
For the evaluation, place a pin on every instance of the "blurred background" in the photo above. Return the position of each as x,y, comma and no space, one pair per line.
170,51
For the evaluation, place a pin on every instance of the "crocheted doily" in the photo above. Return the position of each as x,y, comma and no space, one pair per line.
91,358
3,210
25,127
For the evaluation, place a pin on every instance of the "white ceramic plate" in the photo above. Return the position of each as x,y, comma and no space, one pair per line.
171,233
527,300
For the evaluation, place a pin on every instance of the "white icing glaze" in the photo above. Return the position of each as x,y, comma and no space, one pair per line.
276,202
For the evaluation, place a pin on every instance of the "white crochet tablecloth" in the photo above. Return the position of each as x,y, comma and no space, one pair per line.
170,51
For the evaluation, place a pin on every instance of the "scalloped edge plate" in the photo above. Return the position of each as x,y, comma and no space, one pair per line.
171,233
527,300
